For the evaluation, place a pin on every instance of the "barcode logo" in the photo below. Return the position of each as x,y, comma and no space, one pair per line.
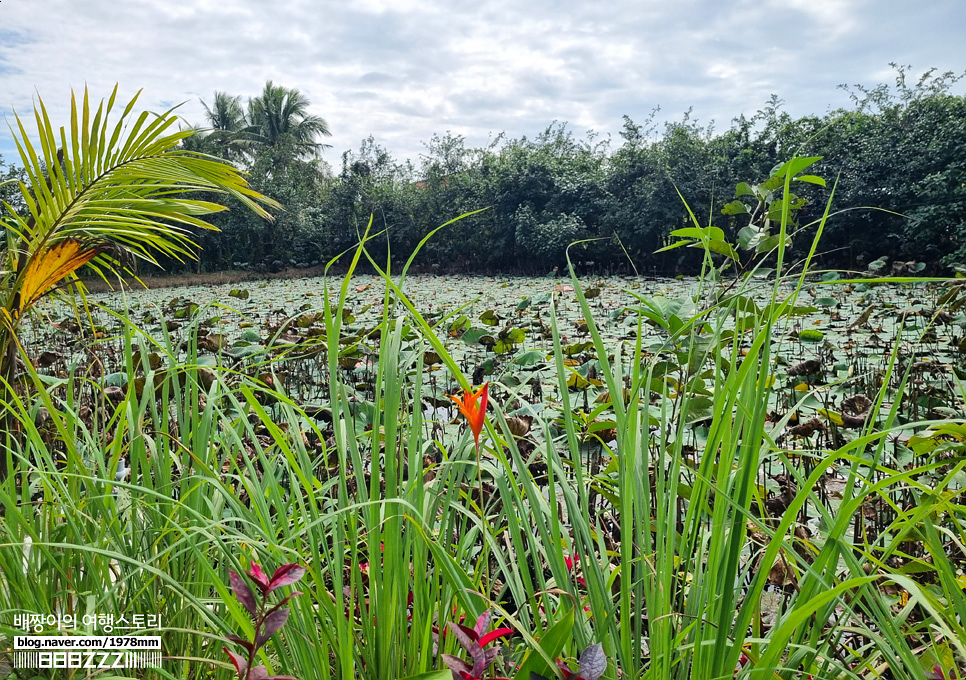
87,659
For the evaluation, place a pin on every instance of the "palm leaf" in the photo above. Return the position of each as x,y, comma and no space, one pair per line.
46,269
121,184
96,193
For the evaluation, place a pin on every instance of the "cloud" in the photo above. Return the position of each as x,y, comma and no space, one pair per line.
402,70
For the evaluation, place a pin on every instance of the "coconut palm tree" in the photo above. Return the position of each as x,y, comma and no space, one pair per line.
228,128
276,120
226,113
100,194
279,116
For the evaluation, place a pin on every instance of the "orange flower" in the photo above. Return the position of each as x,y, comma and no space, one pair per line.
473,412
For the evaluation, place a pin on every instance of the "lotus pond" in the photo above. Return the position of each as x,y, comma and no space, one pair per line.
311,421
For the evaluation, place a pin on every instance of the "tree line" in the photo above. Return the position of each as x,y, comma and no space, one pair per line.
896,158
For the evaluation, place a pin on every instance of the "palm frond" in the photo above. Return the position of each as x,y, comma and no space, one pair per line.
48,269
122,183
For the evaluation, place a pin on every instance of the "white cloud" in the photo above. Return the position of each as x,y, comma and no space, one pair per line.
834,18
403,70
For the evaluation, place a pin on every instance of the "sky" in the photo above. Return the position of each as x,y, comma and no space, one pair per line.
403,70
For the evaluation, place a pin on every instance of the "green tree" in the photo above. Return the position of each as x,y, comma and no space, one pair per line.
276,141
280,116
226,113
277,119
899,147
372,183
10,179
292,238
228,128
898,154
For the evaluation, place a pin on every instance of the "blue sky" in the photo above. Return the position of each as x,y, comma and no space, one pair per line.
402,70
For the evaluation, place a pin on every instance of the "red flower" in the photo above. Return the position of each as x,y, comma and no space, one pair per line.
473,412
571,563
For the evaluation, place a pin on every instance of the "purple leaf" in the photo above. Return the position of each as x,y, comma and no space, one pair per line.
258,576
593,662
241,665
454,663
537,676
462,636
482,623
272,623
247,644
243,592
470,633
258,673
479,661
286,575
489,655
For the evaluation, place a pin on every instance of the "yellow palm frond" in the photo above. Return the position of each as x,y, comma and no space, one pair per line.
49,267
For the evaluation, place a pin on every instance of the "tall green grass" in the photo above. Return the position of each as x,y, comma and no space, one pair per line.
225,472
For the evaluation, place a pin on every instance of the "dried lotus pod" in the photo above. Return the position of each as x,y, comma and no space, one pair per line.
519,426
206,377
115,394
213,342
807,429
48,359
807,367
852,422
856,404
539,470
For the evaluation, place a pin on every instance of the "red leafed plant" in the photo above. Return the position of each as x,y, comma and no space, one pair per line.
474,641
268,620
593,663
939,673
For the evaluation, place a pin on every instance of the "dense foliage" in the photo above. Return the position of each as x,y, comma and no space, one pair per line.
899,148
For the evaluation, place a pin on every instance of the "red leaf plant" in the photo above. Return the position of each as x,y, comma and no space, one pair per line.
268,620
939,673
474,640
